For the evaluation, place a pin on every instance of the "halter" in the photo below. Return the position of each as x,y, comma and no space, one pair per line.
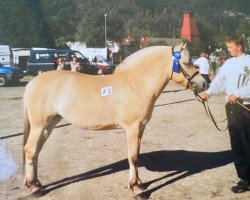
178,68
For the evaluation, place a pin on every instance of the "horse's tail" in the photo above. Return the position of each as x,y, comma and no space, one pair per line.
26,133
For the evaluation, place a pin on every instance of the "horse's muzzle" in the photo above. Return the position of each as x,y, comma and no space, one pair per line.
196,88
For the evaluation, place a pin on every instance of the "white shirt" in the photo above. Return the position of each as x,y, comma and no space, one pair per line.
74,66
212,58
203,65
233,78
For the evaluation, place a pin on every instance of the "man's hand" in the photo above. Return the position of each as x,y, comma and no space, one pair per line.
204,96
232,99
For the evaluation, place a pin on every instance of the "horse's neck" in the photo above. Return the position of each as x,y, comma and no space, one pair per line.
154,77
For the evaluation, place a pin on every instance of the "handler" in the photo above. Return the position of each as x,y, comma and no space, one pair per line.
233,78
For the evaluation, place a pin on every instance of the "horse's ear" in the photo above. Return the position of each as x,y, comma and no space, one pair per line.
184,46
178,47
181,46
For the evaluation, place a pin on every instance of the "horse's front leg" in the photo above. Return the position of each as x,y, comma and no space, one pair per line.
134,134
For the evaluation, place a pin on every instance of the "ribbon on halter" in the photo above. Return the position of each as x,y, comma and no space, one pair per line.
176,58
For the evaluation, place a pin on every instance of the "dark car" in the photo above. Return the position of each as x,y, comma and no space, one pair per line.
103,65
45,60
10,74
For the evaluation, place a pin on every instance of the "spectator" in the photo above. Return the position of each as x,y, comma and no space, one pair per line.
55,60
61,64
203,67
75,65
212,59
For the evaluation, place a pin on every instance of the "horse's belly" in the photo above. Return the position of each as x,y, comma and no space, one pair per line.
99,127
95,125
92,121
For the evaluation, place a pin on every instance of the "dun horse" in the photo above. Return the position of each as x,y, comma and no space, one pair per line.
125,99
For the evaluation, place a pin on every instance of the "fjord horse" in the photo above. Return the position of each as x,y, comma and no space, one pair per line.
125,99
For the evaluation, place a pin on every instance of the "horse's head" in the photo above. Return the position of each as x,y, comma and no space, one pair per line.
184,71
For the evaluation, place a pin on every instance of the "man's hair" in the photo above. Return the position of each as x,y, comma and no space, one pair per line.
237,41
203,54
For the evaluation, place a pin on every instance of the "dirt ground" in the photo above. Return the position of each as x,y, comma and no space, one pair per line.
183,156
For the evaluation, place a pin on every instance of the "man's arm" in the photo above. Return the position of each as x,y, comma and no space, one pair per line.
216,86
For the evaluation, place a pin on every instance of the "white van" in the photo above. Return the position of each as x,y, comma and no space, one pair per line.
6,57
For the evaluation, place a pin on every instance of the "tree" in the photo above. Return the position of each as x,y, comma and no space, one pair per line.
91,29
18,26
61,19
29,23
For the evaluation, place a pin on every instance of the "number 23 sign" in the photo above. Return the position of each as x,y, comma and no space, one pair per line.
106,91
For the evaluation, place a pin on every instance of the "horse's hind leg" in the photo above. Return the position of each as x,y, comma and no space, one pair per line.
52,122
134,134
35,142
31,154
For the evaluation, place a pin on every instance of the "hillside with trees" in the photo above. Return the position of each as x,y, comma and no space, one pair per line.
45,23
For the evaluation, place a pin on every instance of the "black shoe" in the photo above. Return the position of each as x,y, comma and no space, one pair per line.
242,186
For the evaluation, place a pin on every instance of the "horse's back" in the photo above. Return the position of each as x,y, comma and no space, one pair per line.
74,96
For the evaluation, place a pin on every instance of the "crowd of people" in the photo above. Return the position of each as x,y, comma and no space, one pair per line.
73,65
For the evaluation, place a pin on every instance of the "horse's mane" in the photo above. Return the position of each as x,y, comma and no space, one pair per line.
142,55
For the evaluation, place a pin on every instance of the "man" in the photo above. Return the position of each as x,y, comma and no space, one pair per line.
203,65
234,80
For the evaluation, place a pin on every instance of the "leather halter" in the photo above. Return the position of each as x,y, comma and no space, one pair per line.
187,76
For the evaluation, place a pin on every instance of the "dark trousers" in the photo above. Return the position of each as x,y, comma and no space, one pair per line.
207,79
239,131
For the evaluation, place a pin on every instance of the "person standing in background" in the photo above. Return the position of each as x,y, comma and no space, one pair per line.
203,67
75,65
61,64
212,59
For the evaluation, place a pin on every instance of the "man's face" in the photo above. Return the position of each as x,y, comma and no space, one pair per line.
234,49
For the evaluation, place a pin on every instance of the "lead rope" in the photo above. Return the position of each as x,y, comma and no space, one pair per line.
208,112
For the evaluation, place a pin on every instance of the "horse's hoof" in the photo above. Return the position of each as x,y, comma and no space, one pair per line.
37,193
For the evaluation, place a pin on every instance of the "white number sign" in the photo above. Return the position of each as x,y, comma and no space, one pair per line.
106,91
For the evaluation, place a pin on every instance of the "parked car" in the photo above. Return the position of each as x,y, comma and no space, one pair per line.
45,60
10,75
103,65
